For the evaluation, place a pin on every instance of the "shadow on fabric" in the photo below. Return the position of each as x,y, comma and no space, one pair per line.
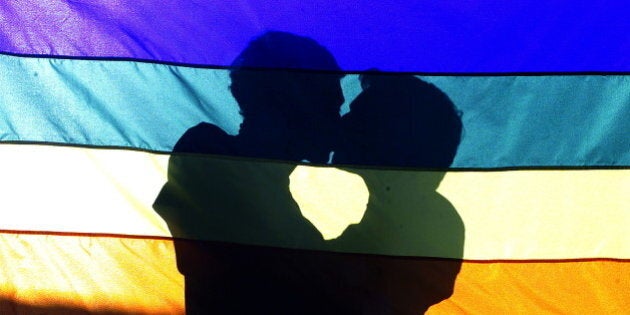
240,239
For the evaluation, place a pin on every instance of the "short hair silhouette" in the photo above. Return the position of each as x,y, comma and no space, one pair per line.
400,121
280,54
286,101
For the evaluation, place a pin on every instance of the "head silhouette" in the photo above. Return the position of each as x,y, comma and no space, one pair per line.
284,107
400,121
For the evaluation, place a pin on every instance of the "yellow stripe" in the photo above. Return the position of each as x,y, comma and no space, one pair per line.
506,215
542,214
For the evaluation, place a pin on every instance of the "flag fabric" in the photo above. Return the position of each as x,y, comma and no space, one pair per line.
95,96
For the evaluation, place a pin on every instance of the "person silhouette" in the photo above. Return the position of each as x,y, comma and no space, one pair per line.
222,195
402,121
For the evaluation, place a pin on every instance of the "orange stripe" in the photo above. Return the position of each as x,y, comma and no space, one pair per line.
574,287
57,274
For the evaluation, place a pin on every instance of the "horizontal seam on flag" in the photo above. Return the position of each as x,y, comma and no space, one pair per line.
84,146
83,234
311,70
378,167
539,261
162,238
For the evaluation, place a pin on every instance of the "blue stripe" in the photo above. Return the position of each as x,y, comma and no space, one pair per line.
392,35
509,121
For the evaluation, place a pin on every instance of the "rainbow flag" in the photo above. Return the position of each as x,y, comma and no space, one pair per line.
531,217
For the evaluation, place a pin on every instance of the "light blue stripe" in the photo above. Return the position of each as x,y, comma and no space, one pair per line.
509,121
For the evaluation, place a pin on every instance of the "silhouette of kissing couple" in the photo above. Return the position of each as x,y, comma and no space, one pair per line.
240,239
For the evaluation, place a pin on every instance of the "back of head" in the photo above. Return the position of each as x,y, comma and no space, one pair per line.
401,121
